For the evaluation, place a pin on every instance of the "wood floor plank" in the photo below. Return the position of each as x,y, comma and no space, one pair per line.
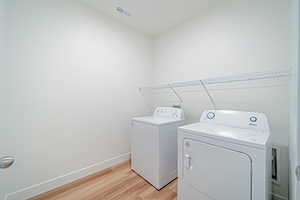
89,184
116,183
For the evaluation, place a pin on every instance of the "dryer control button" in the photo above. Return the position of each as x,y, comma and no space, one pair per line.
253,119
211,115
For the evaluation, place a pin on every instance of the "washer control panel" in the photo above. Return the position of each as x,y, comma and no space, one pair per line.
169,112
237,119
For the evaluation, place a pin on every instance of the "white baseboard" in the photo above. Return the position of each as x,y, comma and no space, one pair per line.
45,186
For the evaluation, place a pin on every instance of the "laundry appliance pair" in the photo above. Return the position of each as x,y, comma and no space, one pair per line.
225,156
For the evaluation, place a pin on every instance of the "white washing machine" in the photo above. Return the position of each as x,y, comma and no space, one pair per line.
154,145
226,156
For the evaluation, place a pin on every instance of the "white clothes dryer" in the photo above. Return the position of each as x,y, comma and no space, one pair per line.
226,156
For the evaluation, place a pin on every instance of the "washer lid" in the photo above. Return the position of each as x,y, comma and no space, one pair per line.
248,137
156,120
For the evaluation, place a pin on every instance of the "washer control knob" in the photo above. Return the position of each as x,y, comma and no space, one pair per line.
253,119
211,115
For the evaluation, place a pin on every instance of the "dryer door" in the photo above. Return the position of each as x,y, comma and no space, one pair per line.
215,173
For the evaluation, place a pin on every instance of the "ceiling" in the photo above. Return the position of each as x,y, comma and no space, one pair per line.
150,16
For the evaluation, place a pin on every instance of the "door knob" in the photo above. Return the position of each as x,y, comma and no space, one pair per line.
6,162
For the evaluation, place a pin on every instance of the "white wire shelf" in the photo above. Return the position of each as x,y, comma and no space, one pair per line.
225,79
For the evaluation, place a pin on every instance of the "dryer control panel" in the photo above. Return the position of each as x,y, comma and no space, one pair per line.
169,112
238,119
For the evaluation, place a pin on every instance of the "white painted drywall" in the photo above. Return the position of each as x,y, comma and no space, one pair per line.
70,83
2,24
230,38
294,111
3,79
73,77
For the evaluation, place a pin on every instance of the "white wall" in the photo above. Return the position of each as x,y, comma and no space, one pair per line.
2,29
74,75
228,38
71,77
294,136
3,87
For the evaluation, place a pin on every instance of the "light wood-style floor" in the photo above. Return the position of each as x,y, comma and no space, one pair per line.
116,183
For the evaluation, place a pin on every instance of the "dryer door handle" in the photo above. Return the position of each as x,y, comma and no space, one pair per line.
188,159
